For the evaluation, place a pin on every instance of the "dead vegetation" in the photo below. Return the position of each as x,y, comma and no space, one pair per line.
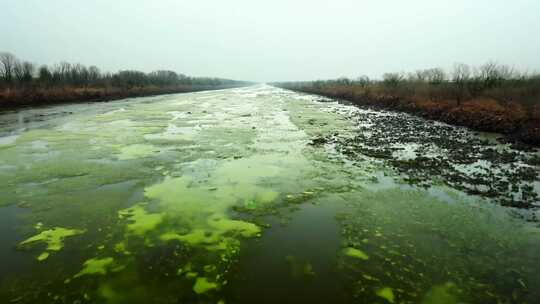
492,97
23,83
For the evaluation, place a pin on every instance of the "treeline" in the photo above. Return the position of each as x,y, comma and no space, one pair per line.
23,82
16,72
490,97
501,82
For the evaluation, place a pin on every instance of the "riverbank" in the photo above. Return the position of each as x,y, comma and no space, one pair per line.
486,114
16,98
22,83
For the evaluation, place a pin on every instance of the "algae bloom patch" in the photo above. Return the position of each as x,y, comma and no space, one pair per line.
442,294
355,253
387,294
202,285
137,151
140,221
54,238
96,267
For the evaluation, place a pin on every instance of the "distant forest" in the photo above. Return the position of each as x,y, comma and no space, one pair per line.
24,82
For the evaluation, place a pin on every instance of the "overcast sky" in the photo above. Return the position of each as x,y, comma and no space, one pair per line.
274,39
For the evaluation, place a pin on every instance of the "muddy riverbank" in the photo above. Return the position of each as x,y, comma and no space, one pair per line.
263,195
481,115
35,97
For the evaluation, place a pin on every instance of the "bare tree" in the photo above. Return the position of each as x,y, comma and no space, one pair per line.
78,75
435,76
7,65
24,71
45,75
93,74
460,77
393,79
490,75
18,72
344,81
29,69
363,81
420,75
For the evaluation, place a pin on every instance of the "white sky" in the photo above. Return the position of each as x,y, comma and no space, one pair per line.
276,39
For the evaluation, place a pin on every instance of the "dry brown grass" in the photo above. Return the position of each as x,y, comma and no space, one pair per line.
505,111
10,98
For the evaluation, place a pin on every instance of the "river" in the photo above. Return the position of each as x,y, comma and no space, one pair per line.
261,195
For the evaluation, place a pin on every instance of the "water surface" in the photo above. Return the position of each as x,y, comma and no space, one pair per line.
261,195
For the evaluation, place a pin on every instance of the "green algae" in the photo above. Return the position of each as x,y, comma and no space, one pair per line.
140,221
204,211
177,195
121,248
386,293
223,225
202,285
137,151
231,183
355,253
250,204
196,217
96,266
194,238
441,294
53,238
217,234
64,168
420,237
370,278
191,275
43,256
209,268
66,180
